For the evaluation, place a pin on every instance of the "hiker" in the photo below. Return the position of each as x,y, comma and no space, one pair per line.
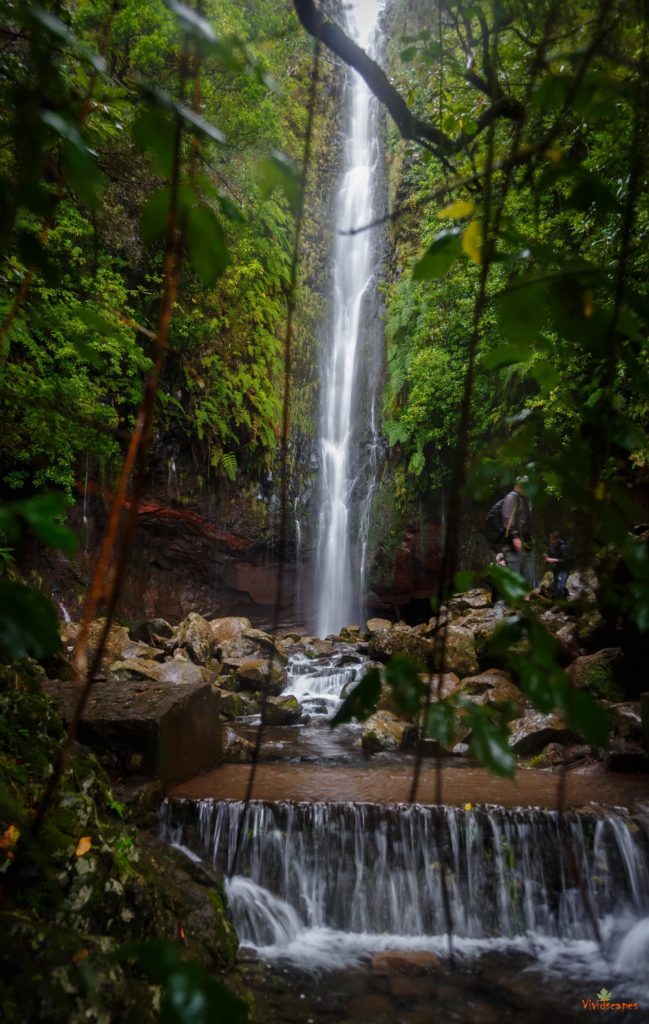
558,558
516,519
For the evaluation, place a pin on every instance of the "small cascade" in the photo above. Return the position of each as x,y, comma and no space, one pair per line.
318,684
334,878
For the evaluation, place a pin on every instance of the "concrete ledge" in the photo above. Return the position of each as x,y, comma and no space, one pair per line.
167,730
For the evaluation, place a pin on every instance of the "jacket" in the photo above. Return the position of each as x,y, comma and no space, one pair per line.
516,517
562,552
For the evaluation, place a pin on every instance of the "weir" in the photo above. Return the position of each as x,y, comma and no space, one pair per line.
326,883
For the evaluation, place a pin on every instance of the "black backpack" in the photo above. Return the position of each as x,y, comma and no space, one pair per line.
493,524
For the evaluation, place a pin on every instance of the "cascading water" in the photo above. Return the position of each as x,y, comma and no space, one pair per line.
326,883
342,536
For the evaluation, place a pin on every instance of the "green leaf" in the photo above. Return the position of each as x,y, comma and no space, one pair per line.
79,163
440,255
193,23
522,309
154,133
409,53
29,626
39,514
440,723
277,171
362,701
153,218
510,584
505,355
587,717
464,581
490,744
208,252
402,676
190,994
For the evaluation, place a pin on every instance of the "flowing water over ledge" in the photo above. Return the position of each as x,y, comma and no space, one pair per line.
327,886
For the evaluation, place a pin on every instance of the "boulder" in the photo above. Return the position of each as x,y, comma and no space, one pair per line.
258,674
598,673
461,655
181,673
236,749
384,731
151,629
236,705
398,640
350,634
139,668
266,643
169,730
626,721
533,732
565,632
449,683
116,640
556,754
491,687
283,710
480,597
136,649
194,634
594,632
314,647
582,586
229,639
378,625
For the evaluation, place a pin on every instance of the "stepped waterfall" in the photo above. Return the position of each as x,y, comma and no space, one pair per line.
348,432
324,884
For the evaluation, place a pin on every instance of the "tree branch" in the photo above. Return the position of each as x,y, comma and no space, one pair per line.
410,127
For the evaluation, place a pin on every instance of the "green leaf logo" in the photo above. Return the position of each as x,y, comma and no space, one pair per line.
604,996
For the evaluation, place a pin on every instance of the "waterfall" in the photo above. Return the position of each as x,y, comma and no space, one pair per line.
321,880
343,523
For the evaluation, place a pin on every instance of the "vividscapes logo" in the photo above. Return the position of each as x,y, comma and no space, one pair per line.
604,1001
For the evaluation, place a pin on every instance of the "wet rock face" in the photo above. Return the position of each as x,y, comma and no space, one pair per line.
117,640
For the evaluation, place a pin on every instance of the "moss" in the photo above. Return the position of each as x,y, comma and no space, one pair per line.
69,907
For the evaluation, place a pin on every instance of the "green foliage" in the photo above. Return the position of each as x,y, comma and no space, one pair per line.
190,995
362,700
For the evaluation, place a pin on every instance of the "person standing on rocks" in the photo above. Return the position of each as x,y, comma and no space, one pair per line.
517,531
558,559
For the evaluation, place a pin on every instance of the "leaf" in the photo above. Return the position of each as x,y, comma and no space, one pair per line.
440,255
472,241
505,355
278,171
460,208
79,163
362,700
402,676
522,309
192,22
29,626
154,214
440,723
83,846
587,717
208,252
154,133
190,994
508,583
9,837
464,581
490,744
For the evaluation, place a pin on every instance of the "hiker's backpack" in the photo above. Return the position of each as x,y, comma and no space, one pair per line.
493,524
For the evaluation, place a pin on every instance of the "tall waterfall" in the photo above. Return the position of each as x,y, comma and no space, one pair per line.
343,520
